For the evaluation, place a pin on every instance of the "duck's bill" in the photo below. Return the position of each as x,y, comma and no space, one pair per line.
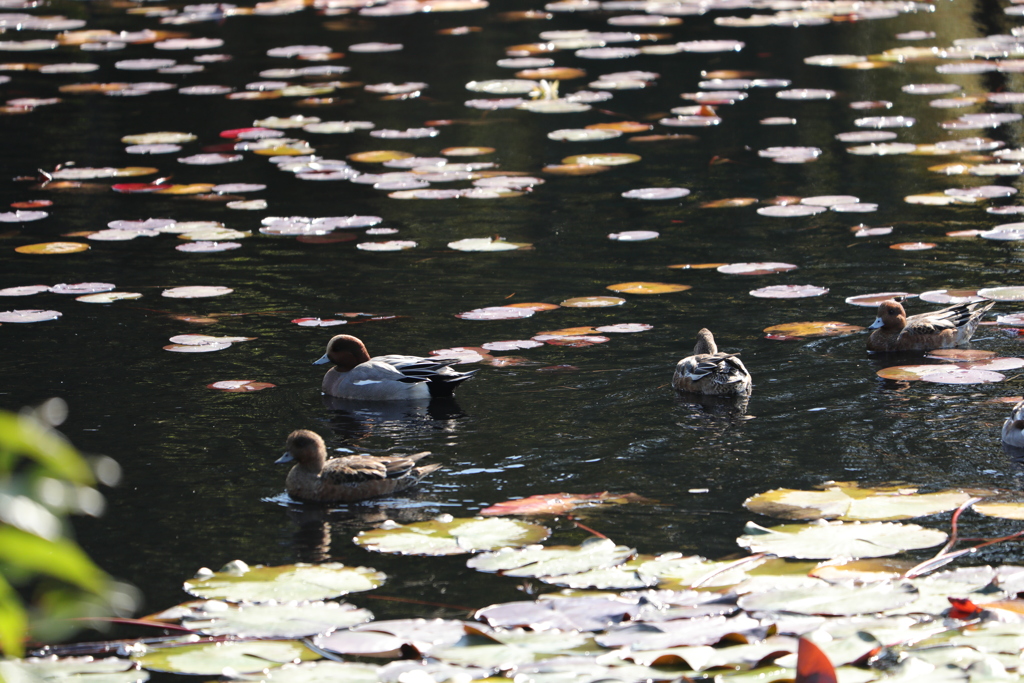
873,326
321,360
286,458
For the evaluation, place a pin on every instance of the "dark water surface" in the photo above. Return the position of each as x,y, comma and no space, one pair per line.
200,487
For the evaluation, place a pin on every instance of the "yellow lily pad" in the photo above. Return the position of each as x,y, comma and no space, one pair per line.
52,248
647,287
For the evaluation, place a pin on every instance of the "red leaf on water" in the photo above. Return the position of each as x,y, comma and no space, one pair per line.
962,608
812,665
559,503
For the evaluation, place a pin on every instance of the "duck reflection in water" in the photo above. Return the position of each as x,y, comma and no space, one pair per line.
354,420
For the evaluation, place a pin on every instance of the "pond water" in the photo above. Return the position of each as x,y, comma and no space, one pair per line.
200,487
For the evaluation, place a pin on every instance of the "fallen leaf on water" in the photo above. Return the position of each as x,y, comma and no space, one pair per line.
559,503
240,385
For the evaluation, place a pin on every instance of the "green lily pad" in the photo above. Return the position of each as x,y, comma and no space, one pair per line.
673,570
536,561
287,620
215,659
238,582
850,503
824,540
451,536
79,669
323,671
833,600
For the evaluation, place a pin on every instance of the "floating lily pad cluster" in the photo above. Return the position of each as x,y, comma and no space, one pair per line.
849,585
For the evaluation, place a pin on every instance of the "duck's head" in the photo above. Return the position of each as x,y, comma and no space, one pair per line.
345,351
306,448
890,315
705,343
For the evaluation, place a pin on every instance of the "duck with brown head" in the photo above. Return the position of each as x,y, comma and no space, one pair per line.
942,329
356,375
347,479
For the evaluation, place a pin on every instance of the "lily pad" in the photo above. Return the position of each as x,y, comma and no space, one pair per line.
49,248
1002,293
82,669
108,297
788,291
872,300
756,268
323,671
813,329
28,316
196,292
486,244
273,620
451,536
842,501
593,301
647,288
824,540
537,561
213,659
240,385
846,599
237,582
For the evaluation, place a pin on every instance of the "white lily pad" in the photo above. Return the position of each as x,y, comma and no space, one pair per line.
851,503
824,540
274,620
843,599
238,582
213,659
536,561
485,244
448,536
323,671
80,669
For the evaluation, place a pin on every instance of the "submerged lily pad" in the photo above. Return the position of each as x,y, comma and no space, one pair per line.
451,536
238,582
824,540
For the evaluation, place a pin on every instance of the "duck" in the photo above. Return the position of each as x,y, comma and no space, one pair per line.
712,373
1013,428
356,375
942,329
348,479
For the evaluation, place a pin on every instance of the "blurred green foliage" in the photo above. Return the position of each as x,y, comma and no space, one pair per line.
46,581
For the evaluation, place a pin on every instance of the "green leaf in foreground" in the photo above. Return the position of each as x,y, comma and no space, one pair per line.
238,582
824,540
450,536
227,658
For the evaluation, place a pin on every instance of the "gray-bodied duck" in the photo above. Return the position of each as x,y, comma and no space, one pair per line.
349,478
385,378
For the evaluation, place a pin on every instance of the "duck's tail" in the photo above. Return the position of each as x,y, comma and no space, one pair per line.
443,385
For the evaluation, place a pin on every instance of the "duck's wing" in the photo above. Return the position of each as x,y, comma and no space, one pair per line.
419,369
354,469
382,370
724,365
952,318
